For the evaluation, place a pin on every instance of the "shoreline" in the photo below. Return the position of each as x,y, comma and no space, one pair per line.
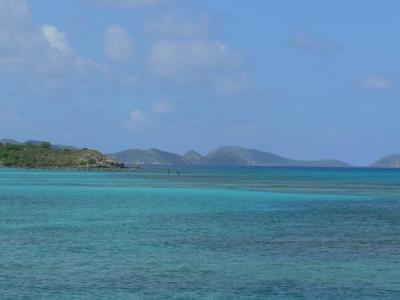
157,166
70,168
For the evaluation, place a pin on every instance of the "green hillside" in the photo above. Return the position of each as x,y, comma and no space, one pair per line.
148,156
45,155
194,158
244,157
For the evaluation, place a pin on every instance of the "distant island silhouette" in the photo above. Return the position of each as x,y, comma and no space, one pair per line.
41,153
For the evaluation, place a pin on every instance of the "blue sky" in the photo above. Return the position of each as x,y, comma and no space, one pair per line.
303,79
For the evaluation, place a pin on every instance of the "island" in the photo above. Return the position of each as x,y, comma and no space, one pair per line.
46,155
42,154
222,156
388,162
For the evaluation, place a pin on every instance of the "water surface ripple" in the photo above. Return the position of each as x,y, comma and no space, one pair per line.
214,233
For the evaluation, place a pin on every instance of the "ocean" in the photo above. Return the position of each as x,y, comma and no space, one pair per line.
208,233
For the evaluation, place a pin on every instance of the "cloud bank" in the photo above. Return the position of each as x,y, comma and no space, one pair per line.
40,53
188,53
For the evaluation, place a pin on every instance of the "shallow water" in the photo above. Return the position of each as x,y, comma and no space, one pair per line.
215,233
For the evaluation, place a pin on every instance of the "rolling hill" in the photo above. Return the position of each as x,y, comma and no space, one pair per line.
237,156
148,157
390,161
194,158
44,155
222,156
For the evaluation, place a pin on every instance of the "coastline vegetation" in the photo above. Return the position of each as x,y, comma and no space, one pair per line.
43,155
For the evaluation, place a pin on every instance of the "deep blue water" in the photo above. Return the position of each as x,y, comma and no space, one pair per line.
210,233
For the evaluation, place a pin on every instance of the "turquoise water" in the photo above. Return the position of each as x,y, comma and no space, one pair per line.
210,233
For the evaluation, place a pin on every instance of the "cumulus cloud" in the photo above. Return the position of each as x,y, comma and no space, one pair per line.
378,83
305,41
138,116
56,39
233,83
201,61
15,12
118,44
172,58
162,107
181,51
16,35
137,120
42,52
187,52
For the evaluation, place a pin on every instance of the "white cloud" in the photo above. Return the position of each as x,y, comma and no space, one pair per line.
305,41
187,52
13,12
181,52
138,120
118,44
233,83
138,116
201,61
378,83
162,107
16,34
41,53
56,39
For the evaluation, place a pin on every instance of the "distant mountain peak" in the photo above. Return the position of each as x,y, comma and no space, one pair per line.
193,152
194,158
389,161
221,156
148,156
232,155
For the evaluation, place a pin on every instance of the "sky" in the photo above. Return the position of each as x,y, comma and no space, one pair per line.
303,79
